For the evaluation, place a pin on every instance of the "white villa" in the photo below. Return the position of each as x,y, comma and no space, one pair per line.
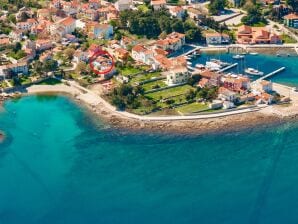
178,75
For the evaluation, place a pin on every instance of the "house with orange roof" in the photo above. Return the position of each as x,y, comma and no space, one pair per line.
256,35
177,11
121,54
158,4
43,44
127,41
213,77
93,49
64,26
91,14
47,55
142,54
235,83
291,20
173,42
25,26
43,13
94,4
70,8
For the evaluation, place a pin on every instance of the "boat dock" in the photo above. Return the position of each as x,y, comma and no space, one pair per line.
227,68
191,51
271,74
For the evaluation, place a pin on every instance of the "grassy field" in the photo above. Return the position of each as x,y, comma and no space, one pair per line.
287,39
50,81
129,71
151,85
179,90
193,107
144,77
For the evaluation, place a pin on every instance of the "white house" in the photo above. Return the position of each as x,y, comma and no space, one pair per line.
177,75
217,38
122,5
64,26
142,54
80,56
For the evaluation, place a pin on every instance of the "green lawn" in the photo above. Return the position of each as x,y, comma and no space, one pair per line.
151,85
144,77
179,90
287,39
50,81
129,71
193,107
25,80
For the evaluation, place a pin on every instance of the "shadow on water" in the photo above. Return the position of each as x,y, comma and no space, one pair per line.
262,194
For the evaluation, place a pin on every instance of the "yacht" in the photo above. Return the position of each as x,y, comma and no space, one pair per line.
200,66
252,71
253,53
238,56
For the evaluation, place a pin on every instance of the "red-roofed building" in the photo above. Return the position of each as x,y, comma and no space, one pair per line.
291,20
256,35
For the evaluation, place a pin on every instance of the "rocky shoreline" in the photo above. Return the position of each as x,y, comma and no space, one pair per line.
115,120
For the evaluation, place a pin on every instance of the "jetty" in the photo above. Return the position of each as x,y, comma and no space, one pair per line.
227,68
271,74
191,51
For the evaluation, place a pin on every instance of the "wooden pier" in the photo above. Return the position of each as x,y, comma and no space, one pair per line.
271,74
227,68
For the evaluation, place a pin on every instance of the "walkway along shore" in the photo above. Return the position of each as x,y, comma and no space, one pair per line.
236,119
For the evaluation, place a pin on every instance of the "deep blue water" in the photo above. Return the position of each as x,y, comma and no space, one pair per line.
60,165
265,63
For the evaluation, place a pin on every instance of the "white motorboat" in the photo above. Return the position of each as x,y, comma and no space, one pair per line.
252,71
238,56
253,53
189,63
200,66
213,66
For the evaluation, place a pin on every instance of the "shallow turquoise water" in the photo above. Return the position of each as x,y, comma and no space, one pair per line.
59,166
265,63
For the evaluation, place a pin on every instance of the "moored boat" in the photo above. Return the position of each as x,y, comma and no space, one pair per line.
238,56
252,71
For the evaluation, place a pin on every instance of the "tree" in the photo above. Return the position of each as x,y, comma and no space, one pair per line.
50,65
293,4
82,68
216,6
118,102
69,52
190,95
253,16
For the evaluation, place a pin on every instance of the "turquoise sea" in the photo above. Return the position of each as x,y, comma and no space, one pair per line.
264,63
60,165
